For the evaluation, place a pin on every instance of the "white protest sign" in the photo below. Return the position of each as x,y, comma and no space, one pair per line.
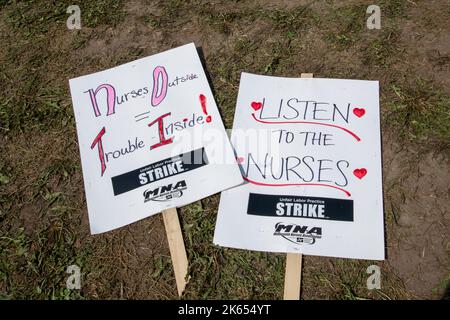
310,152
150,138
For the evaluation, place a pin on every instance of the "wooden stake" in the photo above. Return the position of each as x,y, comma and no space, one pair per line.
176,247
293,275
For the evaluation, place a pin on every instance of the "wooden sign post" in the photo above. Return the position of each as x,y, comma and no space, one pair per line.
176,247
293,274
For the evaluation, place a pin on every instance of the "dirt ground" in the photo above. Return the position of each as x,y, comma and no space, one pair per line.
43,215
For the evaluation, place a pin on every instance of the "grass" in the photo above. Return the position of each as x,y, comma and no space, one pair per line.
33,23
218,273
393,8
37,16
44,260
383,50
35,254
421,111
42,208
443,285
38,233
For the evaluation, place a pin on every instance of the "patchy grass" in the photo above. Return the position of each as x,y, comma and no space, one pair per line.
38,234
38,17
43,260
30,100
381,50
347,25
218,273
393,8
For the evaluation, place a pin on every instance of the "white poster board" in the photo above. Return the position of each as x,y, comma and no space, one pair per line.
310,152
150,138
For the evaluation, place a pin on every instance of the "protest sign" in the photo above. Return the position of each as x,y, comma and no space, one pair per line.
141,132
151,139
310,152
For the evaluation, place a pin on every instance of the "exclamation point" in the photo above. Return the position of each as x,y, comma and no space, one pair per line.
203,103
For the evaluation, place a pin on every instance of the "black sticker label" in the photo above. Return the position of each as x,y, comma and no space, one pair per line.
159,170
300,207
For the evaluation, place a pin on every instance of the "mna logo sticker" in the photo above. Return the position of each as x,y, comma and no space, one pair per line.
298,234
165,193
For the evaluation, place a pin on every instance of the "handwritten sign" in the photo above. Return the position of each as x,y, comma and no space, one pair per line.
310,153
141,130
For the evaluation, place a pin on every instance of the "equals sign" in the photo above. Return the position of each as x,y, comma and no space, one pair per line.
142,116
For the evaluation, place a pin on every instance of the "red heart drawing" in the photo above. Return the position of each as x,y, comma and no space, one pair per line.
360,173
240,160
359,112
256,105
